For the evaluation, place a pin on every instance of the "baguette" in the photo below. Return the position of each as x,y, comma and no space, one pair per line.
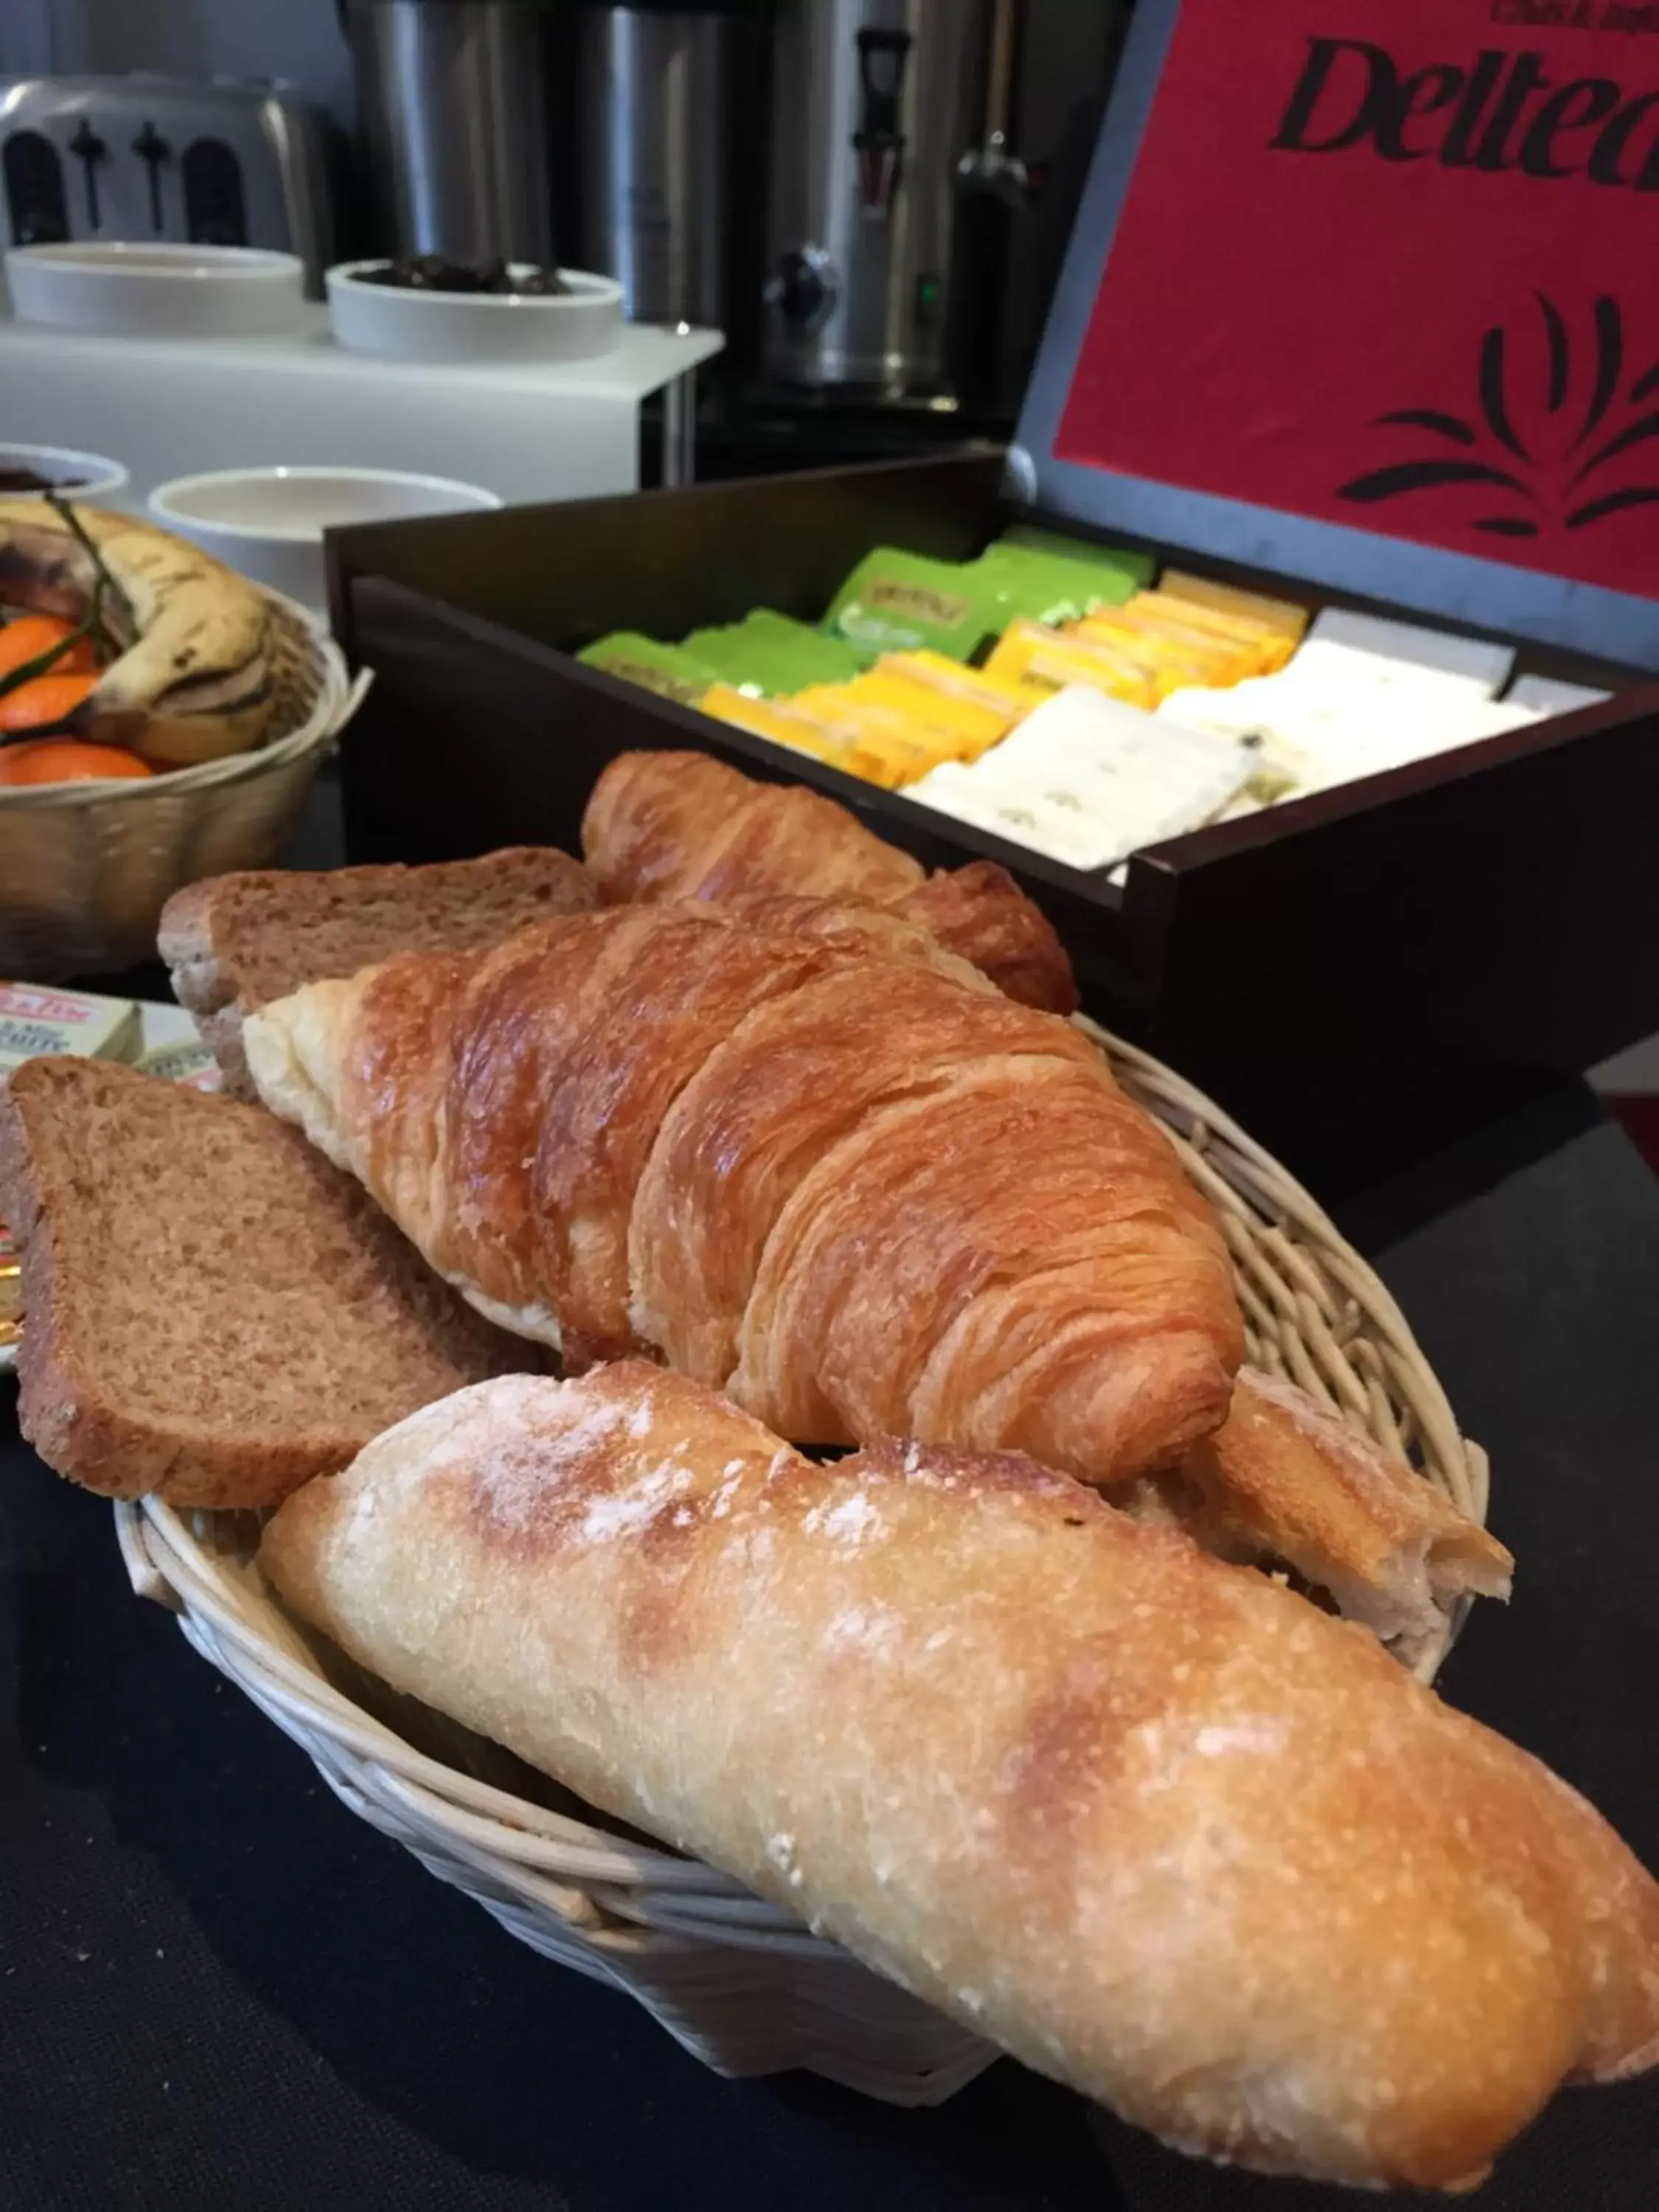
233,942
827,1173
212,1312
679,825
1153,1823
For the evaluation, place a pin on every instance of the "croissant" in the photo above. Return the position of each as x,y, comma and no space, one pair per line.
821,1166
1284,1483
679,825
1153,1823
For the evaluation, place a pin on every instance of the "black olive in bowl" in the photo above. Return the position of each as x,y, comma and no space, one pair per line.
431,272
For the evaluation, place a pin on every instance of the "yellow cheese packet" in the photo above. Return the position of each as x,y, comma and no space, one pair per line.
1266,648
1030,654
881,744
1283,616
958,681
966,726
888,759
1167,643
773,719
1174,663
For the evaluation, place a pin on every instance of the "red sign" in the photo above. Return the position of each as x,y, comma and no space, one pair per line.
1397,267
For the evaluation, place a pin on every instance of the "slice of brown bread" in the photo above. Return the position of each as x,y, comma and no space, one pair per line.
210,1311
236,942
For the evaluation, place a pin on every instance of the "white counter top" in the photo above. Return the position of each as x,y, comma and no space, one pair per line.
169,407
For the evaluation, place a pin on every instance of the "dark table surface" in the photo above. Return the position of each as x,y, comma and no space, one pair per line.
219,1989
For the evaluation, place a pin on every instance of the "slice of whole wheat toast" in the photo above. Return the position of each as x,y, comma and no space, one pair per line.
236,942
211,1311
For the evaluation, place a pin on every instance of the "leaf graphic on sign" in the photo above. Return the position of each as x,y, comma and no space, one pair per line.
1646,427
1493,452
1616,502
1425,476
1431,418
1493,405
1609,360
1560,350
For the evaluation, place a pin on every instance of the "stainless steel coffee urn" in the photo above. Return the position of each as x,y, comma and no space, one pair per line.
453,103
874,102
653,131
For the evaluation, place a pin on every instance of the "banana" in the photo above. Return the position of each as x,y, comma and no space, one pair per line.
197,679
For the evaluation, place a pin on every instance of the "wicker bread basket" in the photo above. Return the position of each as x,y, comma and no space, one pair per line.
738,1981
86,868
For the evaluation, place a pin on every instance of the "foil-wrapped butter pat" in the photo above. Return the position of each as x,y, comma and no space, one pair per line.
10,1288
35,1020
188,1062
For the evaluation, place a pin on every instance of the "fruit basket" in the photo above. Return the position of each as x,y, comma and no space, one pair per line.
86,868
738,1981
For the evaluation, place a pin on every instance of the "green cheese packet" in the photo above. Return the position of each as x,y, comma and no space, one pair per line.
821,658
1026,537
1051,588
752,664
771,654
897,602
667,669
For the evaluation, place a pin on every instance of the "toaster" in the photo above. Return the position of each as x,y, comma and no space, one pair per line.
145,157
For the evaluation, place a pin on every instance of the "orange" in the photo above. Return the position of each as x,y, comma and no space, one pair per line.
30,636
65,759
46,700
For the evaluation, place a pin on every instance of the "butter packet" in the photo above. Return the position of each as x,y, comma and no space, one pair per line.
667,669
189,1063
1543,694
898,602
36,1019
11,1289
1150,776
1411,651
1058,832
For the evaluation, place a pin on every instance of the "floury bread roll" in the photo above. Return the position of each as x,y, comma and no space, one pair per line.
1155,1824
799,1151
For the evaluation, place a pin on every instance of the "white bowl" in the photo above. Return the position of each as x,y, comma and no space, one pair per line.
477,326
158,291
268,523
91,476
